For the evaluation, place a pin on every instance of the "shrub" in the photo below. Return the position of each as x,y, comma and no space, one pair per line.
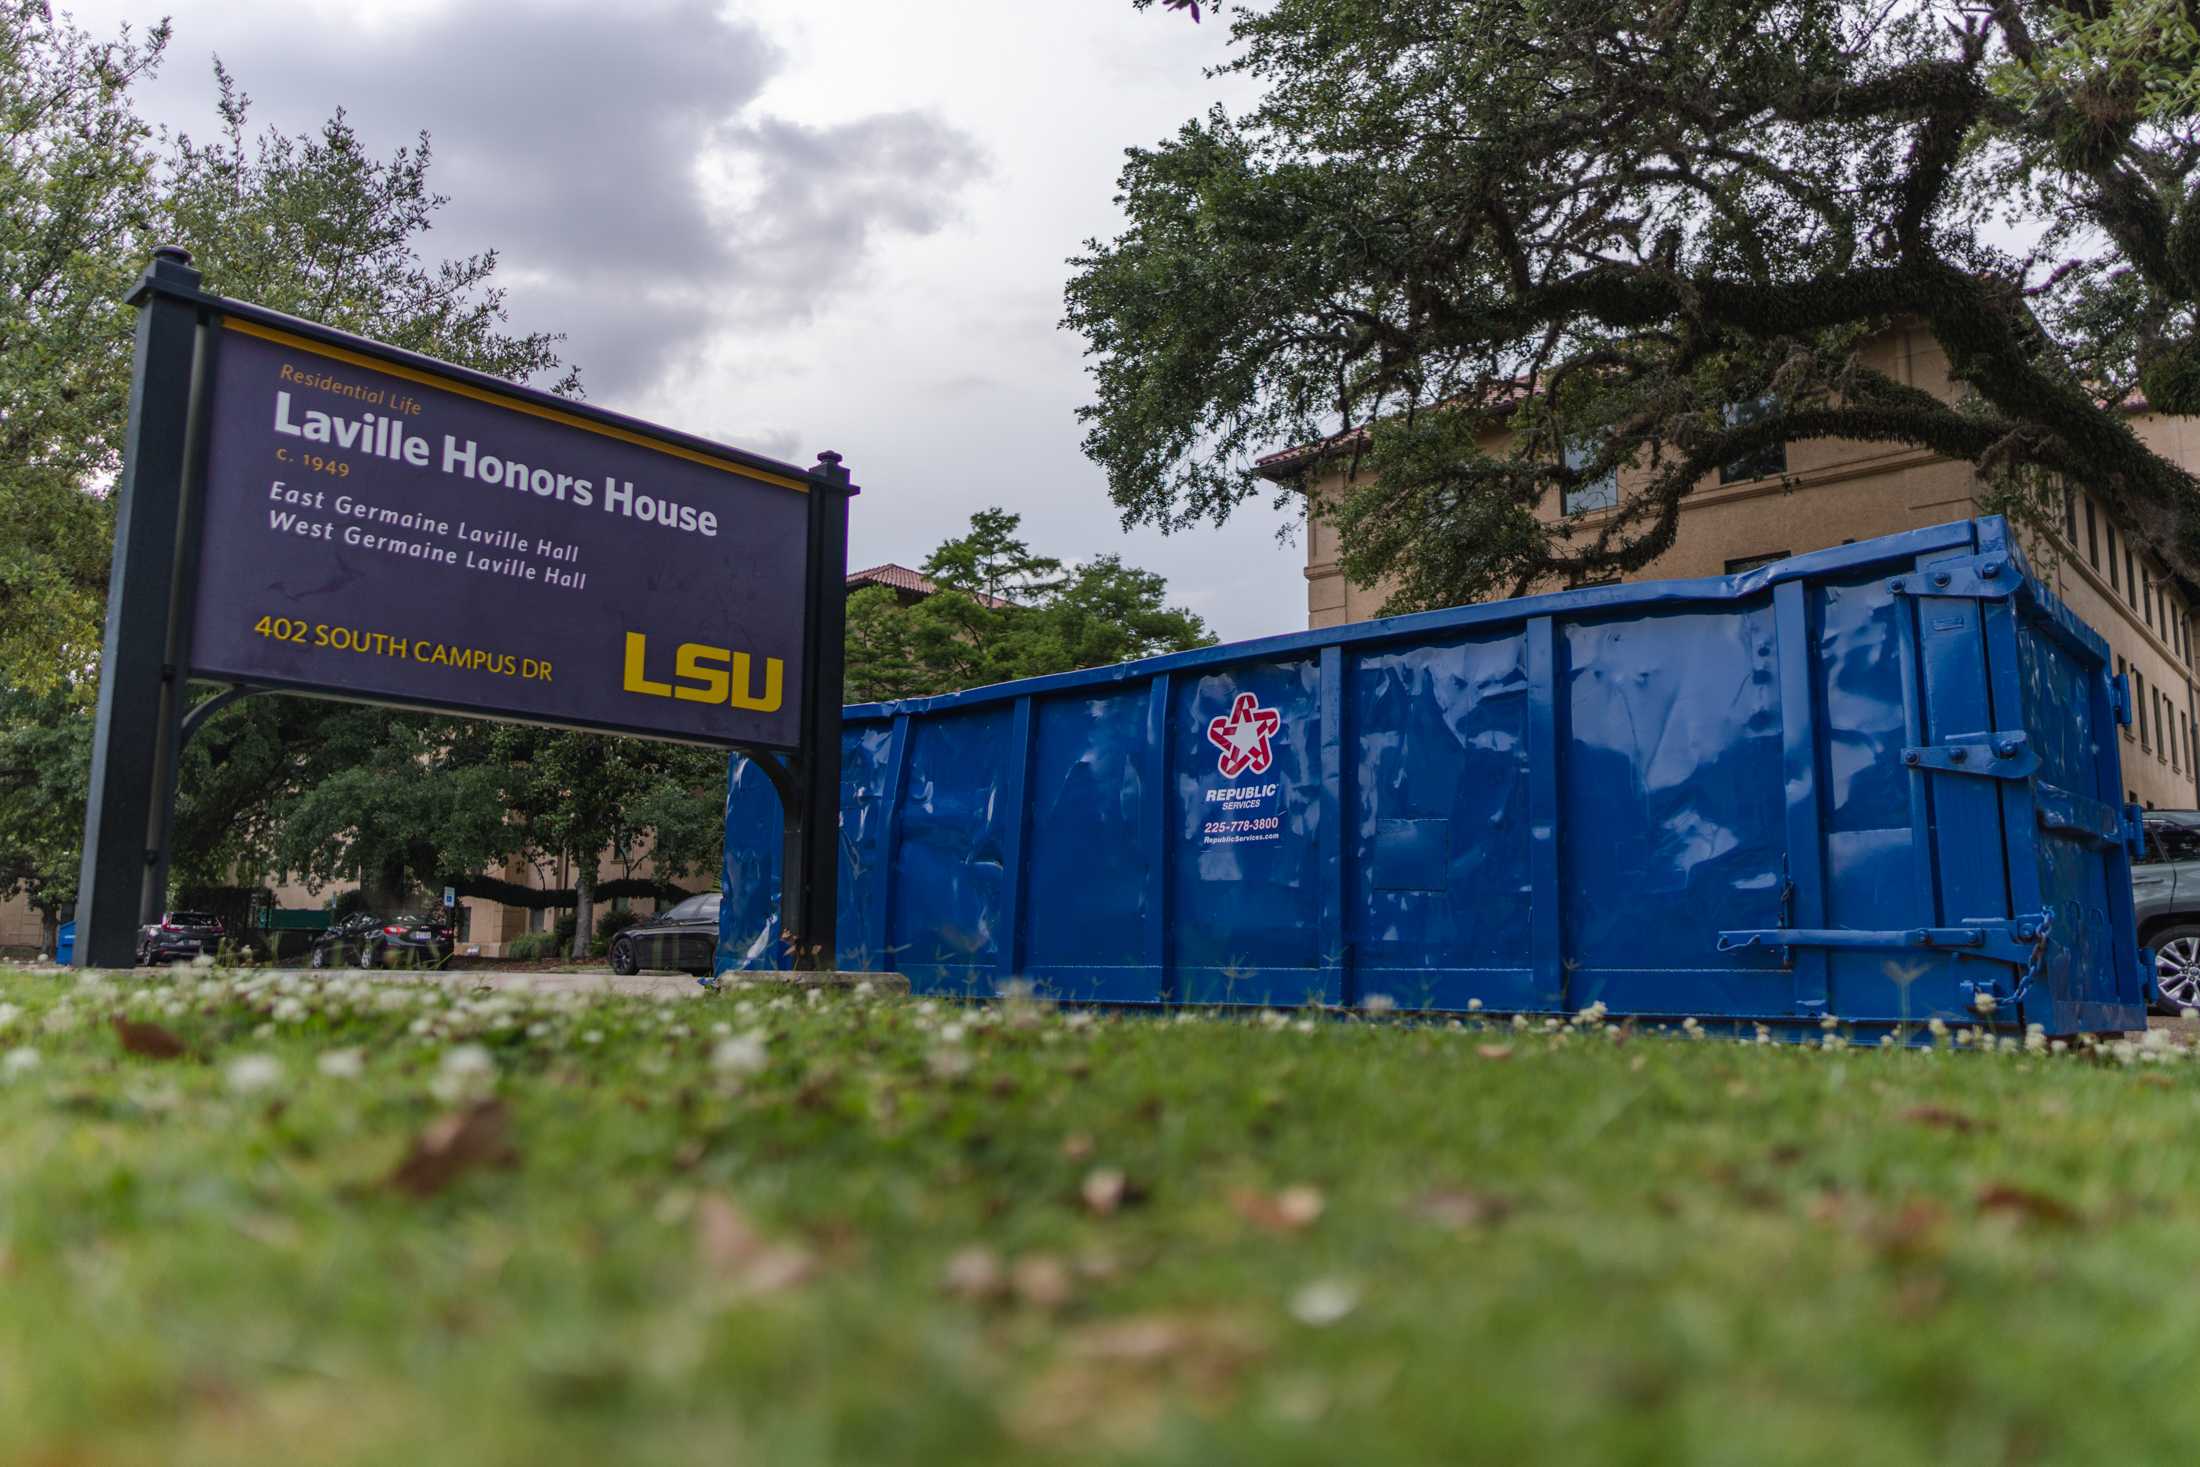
533,947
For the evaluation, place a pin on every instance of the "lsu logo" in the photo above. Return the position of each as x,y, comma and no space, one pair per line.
706,674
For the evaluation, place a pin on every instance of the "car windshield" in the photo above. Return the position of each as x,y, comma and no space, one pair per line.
194,919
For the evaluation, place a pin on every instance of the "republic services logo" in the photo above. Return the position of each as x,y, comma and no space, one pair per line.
1243,737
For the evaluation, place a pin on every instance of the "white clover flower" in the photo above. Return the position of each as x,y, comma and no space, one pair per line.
952,1033
721,1029
1378,1003
249,1074
740,1054
949,1064
1939,1028
1474,1006
1324,1302
591,1036
342,1064
1985,1003
9,1013
19,1061
289,1011
863,990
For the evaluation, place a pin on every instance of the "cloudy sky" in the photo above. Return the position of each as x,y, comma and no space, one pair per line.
786,224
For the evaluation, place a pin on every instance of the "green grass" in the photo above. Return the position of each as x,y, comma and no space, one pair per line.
878,1246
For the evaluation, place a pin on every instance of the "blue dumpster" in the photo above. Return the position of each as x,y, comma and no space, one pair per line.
64,944
1878,783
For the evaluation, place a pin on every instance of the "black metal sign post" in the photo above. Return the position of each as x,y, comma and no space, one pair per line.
140,685
183,445
810,869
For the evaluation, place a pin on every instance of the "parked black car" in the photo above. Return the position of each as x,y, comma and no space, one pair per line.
179,937
684,939
365,940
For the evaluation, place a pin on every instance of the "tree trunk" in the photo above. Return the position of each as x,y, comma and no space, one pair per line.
584,908
49,929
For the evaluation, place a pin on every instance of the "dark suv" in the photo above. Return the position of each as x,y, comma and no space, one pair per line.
178,937
2165,889
364,940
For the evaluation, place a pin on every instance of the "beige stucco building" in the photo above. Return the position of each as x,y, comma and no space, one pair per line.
1825,492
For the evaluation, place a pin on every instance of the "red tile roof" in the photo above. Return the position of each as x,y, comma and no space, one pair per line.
901,578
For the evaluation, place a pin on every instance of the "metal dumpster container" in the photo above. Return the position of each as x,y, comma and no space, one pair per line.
1878,783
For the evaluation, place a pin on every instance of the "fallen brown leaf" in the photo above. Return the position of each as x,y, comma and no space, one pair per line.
1077,1146
1912,1232
1940,1118
1461,1207
2024,1203
730,1249
452,1145
1292,1210
1494,1051
149,1040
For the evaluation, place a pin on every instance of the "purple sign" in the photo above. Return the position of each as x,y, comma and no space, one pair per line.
373,530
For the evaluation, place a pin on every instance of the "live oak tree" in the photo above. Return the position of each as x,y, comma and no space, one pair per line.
1605,228
1004,611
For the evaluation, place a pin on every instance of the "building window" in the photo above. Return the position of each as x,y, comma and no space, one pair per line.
1751,562
2113,582
2146,593
2070,517
1763,463
2139,707
2092,535
2131,574
1602,492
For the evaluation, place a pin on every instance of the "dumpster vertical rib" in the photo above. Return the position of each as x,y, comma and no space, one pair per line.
881,904
1923,877
1806,839
1547,955
1009,948
1335,959
2123,915
1156,815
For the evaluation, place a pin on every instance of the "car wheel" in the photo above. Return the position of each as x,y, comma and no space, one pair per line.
622,958
2177,969
318,958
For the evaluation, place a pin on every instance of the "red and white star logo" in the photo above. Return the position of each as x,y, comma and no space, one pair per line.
1243,737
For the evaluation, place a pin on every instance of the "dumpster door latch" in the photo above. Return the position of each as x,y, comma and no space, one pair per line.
2016,941
2007,755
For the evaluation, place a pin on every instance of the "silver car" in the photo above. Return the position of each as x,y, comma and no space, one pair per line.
2165,888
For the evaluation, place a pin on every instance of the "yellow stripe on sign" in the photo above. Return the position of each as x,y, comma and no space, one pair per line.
515,404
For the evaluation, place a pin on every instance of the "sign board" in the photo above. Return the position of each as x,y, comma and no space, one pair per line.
303,510
376,530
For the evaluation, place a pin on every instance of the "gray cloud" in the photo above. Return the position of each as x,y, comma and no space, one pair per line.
616,157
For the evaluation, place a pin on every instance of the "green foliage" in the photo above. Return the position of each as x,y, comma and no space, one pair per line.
45,761
533,947
1470,235
76,198
1004,612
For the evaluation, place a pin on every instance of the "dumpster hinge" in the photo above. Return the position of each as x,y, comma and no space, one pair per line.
2119,698
1990,576
2008,755
2135,831
2016,941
